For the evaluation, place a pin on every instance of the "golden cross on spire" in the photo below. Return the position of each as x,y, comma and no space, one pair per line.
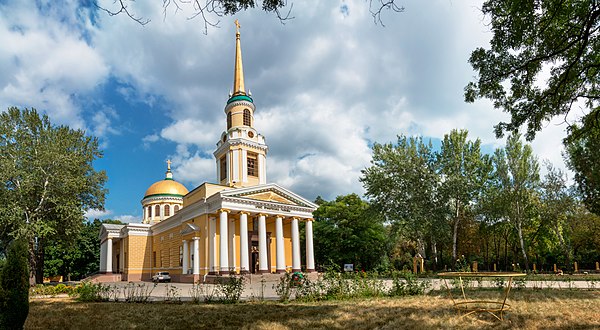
237,26
168,164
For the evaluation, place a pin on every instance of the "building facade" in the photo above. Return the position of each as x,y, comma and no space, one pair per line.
241,224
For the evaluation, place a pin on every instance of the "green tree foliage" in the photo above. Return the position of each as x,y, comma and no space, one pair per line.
403,186
75,260
14,287
557,36
583,157
557,206
347,231
464,171
48,181
584,227
517,170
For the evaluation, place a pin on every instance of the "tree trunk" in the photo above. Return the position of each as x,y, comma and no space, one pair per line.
38,261
455,232
522,242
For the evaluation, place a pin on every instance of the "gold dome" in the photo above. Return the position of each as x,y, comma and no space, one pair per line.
166,187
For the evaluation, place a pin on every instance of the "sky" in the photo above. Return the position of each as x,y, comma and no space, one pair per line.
327,84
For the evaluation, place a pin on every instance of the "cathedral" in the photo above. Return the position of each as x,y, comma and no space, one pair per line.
241,224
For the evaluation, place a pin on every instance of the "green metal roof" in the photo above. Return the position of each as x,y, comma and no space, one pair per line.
239,98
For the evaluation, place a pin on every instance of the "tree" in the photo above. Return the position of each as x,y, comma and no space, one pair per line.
48,181
74,260
403,186
517,170
347,231
464,171
557,205
14,287
583,157
529,37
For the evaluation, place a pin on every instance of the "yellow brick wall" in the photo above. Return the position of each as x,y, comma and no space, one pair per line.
138,254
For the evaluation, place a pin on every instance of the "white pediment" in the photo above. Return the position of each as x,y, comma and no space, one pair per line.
271,193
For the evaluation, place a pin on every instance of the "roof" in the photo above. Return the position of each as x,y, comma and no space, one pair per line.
166,187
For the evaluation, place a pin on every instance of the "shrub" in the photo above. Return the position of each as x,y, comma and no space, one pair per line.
14,287
93,292
406,284
230,288
138,293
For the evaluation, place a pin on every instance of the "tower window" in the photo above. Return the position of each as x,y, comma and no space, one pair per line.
176,208
228,120
167,210
223,167
247,117
252,165
149,212
157,211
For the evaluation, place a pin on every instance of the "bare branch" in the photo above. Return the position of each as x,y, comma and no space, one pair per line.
381,5
123,9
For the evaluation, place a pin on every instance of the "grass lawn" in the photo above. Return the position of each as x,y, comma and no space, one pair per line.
532,309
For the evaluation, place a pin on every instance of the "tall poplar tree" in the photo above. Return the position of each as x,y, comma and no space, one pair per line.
517,170
464,171
47,181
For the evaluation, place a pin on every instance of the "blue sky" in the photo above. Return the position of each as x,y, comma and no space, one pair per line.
326,84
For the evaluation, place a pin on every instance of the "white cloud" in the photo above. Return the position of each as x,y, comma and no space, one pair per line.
45,61
126,218
92,214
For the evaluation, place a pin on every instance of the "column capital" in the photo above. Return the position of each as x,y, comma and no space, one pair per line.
280,216
263,215
309,219
224,210
184,240
244,212
196,238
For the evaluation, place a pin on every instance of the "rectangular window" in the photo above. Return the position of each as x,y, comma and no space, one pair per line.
223,168
154,259
252,164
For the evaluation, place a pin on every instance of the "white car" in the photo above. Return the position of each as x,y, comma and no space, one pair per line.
161,277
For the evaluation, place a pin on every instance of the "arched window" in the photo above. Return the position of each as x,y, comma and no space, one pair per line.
228,120
157,211
167,210
247,117
149,212
176,208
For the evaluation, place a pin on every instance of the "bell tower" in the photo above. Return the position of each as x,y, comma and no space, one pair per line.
241,155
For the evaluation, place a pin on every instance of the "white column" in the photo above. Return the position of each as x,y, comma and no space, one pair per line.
109,255
244,264
310,257
295,246
122,257
196,267
280,255
231,241
103,257
263,265
212,245
185,264
223,240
